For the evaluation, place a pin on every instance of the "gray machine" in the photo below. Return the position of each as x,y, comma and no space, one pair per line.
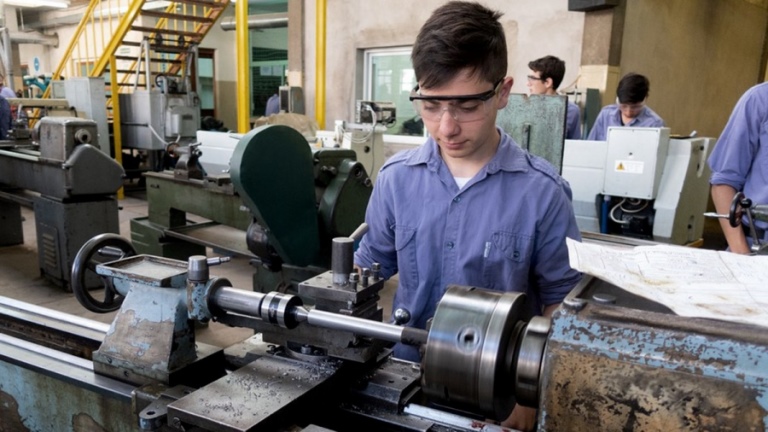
151,119
72,185
640,183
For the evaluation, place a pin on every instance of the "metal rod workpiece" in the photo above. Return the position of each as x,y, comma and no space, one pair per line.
250,303
362,326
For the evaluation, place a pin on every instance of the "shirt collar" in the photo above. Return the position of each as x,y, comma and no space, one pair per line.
509,156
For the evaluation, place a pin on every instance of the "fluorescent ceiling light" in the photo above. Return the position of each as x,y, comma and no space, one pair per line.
61,4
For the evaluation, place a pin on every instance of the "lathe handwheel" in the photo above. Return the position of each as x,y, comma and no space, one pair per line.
100,249
737,209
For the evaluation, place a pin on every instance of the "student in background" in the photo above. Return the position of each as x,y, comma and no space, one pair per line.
546,75
273,105
629,109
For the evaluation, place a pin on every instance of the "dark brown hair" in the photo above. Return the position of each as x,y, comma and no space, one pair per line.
549,67
633,88
457,36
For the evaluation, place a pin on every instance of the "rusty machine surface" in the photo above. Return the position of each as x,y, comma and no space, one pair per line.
606,360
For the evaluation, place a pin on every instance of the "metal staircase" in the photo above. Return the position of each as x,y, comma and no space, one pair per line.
133,43
121,30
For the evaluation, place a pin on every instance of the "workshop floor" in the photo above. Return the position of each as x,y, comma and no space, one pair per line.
20,278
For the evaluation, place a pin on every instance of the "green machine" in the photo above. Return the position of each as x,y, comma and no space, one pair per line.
280,205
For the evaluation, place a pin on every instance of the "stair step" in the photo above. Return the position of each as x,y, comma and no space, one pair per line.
174,16
206,3
193,36
160,48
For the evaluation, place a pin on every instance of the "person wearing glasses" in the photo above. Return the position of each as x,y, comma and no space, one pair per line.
629,109
545,77
739,163
469,206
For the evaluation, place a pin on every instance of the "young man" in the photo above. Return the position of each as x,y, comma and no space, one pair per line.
630,109
468,207
739,162
545,78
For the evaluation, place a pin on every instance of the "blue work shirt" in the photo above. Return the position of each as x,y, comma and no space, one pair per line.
5,118
273,105
573,122
505,230
611,116
740,158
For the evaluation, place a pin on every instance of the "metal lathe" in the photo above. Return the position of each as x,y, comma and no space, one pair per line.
606,360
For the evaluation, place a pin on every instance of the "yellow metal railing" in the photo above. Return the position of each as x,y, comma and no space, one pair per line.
109,24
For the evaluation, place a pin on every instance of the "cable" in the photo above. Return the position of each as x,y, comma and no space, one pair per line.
635,202
613,217
157,135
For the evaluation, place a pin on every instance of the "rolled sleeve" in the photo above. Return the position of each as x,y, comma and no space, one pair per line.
732,158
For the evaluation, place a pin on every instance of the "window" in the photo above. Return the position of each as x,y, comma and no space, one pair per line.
388,76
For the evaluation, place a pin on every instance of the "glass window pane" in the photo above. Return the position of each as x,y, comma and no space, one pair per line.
389,77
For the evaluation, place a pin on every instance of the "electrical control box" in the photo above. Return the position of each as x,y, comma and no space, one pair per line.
635,161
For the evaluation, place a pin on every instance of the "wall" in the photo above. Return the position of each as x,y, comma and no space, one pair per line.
699,56
533,28
225,68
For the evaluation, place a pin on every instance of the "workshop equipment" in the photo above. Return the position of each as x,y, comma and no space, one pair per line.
279,202
606,360
640,183
73,184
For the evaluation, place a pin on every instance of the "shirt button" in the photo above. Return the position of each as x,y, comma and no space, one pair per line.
457,199
516,255
449,245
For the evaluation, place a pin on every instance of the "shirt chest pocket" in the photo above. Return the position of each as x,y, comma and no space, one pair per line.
507,261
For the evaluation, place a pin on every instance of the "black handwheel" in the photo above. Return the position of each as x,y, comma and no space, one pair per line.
737,209
100,249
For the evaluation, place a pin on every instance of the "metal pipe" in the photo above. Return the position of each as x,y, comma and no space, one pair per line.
320,63
243,67
262,21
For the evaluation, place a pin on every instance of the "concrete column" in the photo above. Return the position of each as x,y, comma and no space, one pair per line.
601,50
296,43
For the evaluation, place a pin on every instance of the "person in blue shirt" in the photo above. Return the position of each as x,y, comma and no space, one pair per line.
469,206
739,163
546,75
273,105
5,118
629,109
6,91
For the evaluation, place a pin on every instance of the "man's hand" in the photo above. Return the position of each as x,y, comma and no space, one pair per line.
522,418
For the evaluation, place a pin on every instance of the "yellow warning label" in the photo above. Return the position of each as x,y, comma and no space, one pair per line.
628,166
